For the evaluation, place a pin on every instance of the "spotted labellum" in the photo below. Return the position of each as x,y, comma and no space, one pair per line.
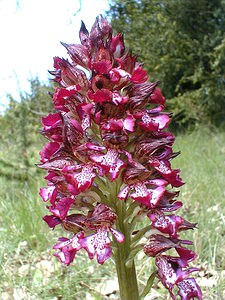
108,160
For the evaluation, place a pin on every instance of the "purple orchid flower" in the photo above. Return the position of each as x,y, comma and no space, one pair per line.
108,159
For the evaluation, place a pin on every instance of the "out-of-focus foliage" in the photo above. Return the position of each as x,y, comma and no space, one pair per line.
182,43
19,127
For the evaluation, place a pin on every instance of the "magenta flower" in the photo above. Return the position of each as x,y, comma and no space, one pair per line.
48,151
79,181
98,244
108,163
169,224
61,208
68,248
49,193
52,127
99,220
108,159
148,197
189,289
171,273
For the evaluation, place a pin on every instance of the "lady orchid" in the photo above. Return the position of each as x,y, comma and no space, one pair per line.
108,159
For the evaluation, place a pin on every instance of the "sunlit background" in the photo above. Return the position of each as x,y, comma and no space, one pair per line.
30,33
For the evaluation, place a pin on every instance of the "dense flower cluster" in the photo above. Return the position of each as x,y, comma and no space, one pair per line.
110,127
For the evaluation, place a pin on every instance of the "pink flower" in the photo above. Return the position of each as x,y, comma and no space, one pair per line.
107,142
68,248
49,193
147,196
98,244
79,181
158,244
189,289
48,151
61,207
170,273
108,163
117,45
163,167
52,127
52,221
169,224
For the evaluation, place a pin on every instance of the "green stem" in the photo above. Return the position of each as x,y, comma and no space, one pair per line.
126,278
126,274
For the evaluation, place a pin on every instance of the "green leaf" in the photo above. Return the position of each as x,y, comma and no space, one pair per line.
148,285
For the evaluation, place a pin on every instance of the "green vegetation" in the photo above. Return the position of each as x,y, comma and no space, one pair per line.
182,44
29,269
